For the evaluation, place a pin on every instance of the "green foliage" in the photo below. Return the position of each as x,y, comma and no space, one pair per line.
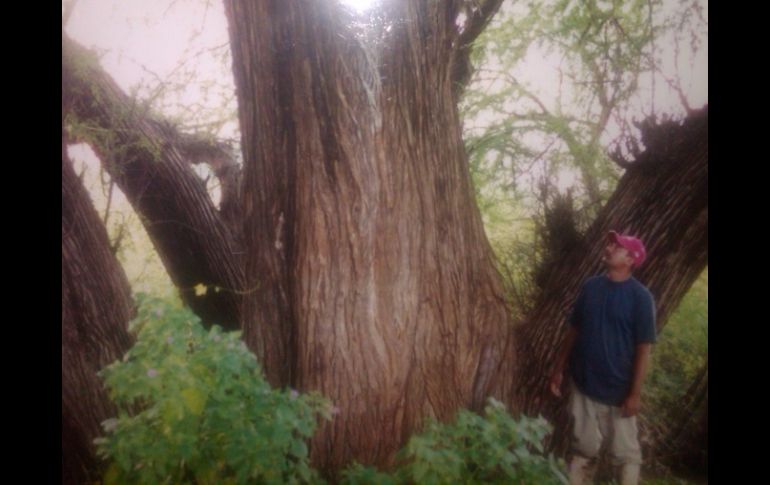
556,83
357,474
530,137
596,50
194,407
494,448
681,352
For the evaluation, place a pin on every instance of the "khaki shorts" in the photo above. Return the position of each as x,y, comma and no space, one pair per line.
594,422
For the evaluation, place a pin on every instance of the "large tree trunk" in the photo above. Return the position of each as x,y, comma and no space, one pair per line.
662,198
96,307
375,282
149,160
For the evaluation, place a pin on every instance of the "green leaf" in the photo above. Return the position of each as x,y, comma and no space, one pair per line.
194,399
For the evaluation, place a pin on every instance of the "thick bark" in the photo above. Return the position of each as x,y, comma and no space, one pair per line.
96,308
376,282
662,198
149,161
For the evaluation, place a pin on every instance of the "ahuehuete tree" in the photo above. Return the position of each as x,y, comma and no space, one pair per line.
354,257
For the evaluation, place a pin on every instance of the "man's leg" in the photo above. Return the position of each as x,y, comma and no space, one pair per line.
625,449
629,474
586,438
581,470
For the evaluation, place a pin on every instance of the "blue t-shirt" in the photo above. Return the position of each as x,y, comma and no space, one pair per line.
611,318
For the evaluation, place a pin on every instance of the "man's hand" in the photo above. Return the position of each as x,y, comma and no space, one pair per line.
631,405
556,380
641,359
561,361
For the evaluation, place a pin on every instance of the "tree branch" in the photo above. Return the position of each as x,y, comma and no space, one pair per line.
147,158
477,20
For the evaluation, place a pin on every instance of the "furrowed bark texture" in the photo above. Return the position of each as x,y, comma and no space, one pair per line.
375,281
96,307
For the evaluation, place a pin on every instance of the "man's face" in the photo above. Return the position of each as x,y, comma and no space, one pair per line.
616,256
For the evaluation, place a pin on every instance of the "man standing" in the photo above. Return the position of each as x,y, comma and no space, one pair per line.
608,343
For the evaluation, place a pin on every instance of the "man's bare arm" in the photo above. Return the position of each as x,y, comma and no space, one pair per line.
561,362
641,362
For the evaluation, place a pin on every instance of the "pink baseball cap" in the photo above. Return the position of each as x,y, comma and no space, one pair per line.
634,245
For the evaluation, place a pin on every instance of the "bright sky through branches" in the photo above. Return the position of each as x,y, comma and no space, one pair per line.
359,5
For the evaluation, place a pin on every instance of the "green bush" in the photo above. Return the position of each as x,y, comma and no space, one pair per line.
680,354
494,448
195,408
